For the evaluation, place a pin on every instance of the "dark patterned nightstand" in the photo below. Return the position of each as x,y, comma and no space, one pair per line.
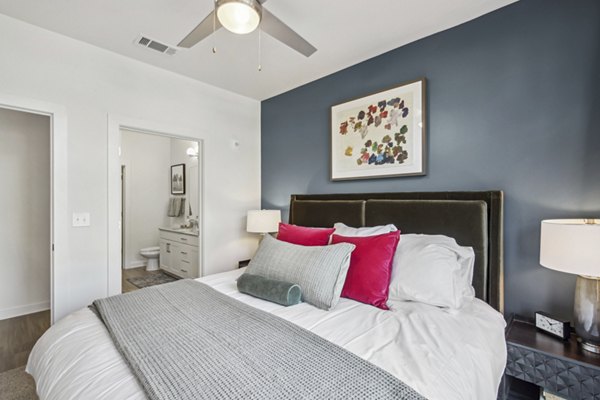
562,368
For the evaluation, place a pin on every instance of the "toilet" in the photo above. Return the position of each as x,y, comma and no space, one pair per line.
151,254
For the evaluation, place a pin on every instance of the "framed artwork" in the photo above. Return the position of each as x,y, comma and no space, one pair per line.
380,135
178,179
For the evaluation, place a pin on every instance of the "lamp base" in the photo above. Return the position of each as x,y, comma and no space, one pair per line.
591,347
587,312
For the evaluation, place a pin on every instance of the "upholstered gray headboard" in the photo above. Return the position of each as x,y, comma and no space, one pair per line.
473,218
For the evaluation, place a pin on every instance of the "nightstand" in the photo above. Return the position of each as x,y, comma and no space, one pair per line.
560,367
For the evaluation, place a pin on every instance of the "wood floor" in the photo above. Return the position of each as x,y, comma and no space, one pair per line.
17,337
19,334
134,273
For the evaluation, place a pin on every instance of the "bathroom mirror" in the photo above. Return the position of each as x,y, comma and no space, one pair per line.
193,185
193,189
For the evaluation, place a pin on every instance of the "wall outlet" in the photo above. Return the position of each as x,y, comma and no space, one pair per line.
81,219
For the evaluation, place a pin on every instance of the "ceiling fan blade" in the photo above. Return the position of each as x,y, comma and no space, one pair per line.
280,31
204,29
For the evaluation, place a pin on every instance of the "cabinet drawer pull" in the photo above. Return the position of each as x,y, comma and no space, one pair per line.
187,262
184,253
183,239
183,270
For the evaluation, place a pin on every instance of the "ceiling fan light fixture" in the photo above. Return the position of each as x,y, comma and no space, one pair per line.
239,16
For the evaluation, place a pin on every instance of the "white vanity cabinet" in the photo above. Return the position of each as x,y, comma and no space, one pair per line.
179,253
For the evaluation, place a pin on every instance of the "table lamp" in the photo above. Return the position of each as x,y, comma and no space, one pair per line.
263,221
573,246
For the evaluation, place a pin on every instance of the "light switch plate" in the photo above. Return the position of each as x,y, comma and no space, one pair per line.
81,219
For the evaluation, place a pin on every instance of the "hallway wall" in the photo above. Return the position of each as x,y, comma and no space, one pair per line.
24,213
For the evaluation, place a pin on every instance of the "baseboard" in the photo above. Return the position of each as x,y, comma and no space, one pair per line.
135,264
24,310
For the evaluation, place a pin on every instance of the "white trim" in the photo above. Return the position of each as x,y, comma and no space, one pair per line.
115,124
125,214
24,310
59,235
136,264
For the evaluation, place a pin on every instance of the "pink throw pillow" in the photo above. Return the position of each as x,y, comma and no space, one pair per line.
368,279
304,236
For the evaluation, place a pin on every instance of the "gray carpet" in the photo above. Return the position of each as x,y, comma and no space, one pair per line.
16,384
151,280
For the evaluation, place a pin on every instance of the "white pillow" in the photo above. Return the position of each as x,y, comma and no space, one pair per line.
345,230
432,269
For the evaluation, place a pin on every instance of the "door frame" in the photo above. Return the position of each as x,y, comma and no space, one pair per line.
123,215
115,124
59,220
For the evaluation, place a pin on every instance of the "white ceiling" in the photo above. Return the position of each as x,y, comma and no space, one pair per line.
345,33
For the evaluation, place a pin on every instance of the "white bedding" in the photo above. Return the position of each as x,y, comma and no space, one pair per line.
441,354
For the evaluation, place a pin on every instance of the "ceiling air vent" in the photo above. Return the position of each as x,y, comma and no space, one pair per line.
154,45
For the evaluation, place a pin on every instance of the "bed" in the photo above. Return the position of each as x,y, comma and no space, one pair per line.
442,354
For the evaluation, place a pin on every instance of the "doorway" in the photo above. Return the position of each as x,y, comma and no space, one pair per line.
59,219
160,208
25,229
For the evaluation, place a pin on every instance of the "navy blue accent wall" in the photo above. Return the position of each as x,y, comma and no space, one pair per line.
513,104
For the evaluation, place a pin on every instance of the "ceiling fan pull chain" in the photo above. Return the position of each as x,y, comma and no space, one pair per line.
259,50
214,47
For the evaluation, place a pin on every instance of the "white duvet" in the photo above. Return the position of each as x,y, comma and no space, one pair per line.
441,354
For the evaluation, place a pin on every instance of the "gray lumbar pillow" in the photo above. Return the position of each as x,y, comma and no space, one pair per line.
280,292
319,270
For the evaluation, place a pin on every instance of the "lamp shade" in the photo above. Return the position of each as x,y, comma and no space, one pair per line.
571,245
263,221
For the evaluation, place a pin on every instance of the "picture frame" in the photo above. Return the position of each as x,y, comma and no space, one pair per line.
380,135
178,179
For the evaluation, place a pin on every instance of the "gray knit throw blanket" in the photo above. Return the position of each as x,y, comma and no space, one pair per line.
185,340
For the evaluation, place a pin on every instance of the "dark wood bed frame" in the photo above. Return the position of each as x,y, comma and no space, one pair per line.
473,218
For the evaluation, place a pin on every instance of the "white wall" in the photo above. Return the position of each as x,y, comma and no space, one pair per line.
24,213
91,84
147,160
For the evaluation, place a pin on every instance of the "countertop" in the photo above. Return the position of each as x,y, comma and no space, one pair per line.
182,231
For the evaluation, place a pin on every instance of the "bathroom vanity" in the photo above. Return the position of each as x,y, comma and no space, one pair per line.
179,252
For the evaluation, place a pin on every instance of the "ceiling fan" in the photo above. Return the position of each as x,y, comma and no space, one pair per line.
244,16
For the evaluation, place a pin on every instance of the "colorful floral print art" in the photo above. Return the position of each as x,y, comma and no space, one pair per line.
374,133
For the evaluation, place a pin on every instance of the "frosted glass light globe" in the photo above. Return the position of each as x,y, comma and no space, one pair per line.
240,16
